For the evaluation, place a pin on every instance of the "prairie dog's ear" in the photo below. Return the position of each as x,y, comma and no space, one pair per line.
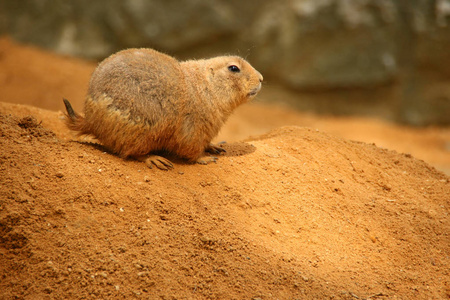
211,74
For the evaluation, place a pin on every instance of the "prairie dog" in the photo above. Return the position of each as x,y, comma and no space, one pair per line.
141,102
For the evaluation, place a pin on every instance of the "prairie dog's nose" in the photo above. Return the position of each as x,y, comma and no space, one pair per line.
260,77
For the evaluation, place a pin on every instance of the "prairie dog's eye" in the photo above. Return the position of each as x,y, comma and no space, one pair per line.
234,69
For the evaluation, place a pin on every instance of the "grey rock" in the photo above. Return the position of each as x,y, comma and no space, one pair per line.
328,44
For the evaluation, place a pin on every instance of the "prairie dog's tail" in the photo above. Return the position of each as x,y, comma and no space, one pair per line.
74,121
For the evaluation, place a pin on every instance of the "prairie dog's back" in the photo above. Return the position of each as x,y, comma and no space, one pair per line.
142,82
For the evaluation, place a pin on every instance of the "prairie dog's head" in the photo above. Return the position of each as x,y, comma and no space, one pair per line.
230,79
236,75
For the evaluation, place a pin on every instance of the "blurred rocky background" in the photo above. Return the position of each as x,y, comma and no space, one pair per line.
383,58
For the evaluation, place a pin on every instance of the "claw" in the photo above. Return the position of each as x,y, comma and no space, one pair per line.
213,149
157,161
160,162
206,159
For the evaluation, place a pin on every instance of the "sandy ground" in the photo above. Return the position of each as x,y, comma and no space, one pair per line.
300,206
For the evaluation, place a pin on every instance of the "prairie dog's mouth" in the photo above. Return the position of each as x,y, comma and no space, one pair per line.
255,91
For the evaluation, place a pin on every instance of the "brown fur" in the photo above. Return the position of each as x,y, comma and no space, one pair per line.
141,101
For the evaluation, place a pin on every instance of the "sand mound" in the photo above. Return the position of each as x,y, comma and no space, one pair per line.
295,213
291,214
